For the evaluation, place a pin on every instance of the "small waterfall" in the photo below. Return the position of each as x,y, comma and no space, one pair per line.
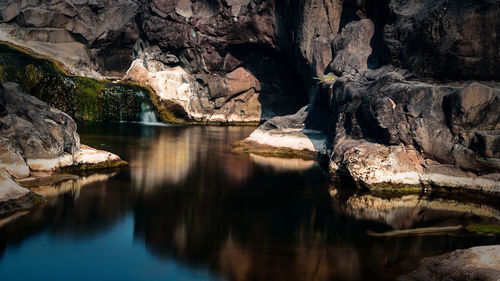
147,115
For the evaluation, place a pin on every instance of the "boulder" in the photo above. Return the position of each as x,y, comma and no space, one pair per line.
478,263
283,135
352,48
36,137
33,128
387,129
9,189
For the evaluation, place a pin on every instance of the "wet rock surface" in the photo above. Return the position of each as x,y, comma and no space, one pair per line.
302,132
478,263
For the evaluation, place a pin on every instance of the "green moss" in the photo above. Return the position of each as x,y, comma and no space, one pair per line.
487,230
84,99
395,189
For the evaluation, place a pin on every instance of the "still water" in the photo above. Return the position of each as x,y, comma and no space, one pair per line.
187,208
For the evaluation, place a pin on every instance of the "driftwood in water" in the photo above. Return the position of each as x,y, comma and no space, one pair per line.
417,231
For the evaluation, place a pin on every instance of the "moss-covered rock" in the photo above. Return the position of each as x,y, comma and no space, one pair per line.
487,230
84,99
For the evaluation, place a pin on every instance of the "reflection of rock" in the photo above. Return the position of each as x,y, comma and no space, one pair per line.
413,210
167,162
11,218
283,164
174,154
72,185
478,263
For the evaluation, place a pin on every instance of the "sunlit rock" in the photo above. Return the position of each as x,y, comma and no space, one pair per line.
9,189
289,136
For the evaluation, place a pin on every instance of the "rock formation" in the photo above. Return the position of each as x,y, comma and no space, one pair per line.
91,38
416,101
478,263
35,137
392,117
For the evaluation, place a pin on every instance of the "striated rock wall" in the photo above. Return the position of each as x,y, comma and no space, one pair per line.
91,38
444,39
393,130
239,59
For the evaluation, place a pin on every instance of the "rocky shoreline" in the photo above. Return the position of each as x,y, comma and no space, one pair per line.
37,143
478,263
411,105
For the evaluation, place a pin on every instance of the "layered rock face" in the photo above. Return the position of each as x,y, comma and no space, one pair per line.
234,61
215,61
445,39
388,127
393,130
91,38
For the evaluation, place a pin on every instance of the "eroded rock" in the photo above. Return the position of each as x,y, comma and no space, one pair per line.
35,137
60,30
445,39
388,129
478,263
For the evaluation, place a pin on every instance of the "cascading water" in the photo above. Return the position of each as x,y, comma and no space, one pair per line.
147,115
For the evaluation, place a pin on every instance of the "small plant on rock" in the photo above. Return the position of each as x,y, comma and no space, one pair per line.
325,79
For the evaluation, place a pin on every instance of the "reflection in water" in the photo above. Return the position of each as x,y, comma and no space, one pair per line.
413,211
187,208
72,186
166,162
283,164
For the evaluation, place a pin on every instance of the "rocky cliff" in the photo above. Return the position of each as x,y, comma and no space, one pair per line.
416,101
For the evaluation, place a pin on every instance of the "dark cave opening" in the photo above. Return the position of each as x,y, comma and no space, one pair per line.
278,78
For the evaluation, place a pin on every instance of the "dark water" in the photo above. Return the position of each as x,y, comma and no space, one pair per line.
187,208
